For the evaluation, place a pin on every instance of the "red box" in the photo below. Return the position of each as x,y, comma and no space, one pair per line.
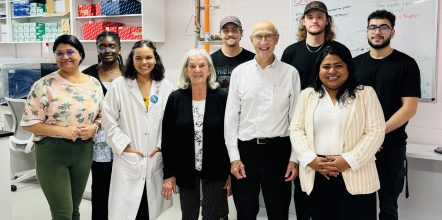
137,33
89,10
112,29
97,10
125,32
92,29
85,10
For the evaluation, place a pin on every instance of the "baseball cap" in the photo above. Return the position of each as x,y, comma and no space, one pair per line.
316,5
230,19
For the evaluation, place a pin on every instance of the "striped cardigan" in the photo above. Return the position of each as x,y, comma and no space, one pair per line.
363,130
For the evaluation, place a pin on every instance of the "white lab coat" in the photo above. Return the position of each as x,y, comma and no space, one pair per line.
126,121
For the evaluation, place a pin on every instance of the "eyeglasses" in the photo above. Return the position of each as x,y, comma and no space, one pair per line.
69,52
104,49
383,28
260,37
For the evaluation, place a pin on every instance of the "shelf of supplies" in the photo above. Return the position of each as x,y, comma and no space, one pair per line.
108,16
42,16
2,18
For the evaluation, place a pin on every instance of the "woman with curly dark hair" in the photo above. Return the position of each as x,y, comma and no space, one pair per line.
132,115
109,67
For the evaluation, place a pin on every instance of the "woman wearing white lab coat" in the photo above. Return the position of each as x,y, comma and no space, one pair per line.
132,116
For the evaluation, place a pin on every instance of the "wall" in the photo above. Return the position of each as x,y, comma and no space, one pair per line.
425,127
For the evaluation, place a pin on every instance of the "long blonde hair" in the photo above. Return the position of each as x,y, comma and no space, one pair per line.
329,30
184,82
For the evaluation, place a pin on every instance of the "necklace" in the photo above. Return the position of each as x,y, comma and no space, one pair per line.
313,51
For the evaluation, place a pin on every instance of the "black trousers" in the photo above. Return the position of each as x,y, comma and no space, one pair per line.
211,206
330,200
224,209
101,176
301,199
265,167
143,210
391,165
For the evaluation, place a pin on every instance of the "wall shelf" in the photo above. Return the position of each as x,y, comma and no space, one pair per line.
42,16
107,16
152,20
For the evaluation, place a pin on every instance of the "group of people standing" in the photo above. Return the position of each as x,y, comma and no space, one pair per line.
237,124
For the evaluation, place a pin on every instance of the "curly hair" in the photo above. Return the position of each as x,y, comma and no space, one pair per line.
329,30
116,38
382,14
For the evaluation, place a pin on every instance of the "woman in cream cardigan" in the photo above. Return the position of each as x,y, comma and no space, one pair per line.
337,128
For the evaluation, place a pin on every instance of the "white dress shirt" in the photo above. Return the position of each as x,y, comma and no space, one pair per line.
328,122
328,125
260,104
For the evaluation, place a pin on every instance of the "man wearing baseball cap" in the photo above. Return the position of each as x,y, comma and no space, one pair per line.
315,31
231,54
225,60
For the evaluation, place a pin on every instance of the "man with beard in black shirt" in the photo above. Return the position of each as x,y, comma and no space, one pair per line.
231,54
315,31
395,77
225,60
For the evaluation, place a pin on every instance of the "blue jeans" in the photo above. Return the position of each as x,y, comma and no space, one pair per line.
390,162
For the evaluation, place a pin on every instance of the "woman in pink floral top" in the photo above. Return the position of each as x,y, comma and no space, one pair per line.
62,111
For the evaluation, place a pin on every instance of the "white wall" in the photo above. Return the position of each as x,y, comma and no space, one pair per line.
425,127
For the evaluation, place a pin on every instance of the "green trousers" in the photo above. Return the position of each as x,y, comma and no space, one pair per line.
63,170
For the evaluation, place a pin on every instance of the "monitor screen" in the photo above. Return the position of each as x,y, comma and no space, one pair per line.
20,81
48,68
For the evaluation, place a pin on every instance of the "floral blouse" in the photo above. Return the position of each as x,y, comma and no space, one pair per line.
54,100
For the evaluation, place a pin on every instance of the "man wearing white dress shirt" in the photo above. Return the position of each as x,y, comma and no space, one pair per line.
261,101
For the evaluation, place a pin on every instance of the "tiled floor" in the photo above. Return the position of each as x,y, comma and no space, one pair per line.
28,202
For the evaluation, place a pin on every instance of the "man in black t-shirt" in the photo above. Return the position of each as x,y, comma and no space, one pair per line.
395,77
231,54
315,31
225,60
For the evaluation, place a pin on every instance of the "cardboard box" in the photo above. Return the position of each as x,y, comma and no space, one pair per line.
98,10
89,10
125,32
50,6
92,29
118,7
110,7
21,9
129,7
112,29
65,26
137,33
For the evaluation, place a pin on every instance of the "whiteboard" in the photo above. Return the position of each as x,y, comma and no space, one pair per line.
416,30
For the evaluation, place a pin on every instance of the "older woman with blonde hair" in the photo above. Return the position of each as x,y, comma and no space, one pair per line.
193,144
